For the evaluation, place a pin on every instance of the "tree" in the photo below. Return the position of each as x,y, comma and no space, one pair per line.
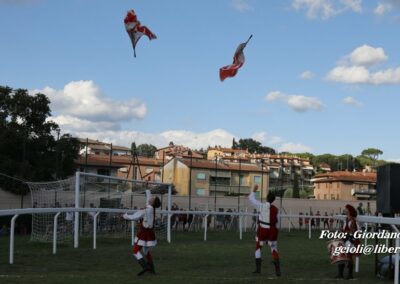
28,148
146,150
372,153
254,146
296,189
235,145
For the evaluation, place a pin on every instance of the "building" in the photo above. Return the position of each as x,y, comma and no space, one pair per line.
122,166
172,151
343,185
200,177
95,147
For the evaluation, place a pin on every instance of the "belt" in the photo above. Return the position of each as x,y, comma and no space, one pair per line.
264,223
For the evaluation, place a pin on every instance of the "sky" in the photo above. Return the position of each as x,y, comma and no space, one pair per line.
320,76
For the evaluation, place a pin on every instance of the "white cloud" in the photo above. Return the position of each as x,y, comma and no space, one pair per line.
367,55
354,69
382,8
352,74
298,103
84,100
241,6
294,148
326,9
306,75
266,139
74,124
352,101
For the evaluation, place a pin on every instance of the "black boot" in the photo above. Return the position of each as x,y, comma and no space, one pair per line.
350,266
143,265
277,267
258,266
340,271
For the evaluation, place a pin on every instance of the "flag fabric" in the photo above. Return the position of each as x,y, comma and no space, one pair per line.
238,61
135,30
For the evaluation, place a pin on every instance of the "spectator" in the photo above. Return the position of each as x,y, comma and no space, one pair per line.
326,221
301,220
360,210
318,220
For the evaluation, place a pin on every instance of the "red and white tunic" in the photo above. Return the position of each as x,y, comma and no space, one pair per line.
350,226
267,220
146,236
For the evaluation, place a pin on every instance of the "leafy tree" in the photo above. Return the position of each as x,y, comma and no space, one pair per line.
254,146
372,153
28,148
146,150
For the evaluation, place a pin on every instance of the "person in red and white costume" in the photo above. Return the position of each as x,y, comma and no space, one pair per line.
145,238
267,230
350,226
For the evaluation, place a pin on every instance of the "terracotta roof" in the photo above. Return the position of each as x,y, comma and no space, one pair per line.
345,176
117,161
229,150
221,166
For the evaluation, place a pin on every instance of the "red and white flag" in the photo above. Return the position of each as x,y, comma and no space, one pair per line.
238,61
135,30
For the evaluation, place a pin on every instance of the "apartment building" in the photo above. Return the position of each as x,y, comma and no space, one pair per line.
343,185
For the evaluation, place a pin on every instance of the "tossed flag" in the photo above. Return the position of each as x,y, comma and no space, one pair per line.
238,61
135,30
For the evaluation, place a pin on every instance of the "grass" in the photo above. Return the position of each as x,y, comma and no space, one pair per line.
223,258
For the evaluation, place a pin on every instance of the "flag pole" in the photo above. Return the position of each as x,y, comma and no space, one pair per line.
249,39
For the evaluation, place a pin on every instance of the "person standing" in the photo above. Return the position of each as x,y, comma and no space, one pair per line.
145,238
267,230
350,226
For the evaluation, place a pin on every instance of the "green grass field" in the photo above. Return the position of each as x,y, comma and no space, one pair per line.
223,258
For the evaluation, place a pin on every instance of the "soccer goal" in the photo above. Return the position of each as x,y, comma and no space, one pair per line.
86,191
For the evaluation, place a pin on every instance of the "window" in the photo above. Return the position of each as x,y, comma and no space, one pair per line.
201,176
332,196
200,191
103,172
241,180
337,196
337,185
257,179
324,196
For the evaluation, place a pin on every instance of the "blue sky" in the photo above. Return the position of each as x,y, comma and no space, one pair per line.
320,75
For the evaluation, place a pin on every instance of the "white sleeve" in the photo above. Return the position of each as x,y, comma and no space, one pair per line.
136,216
254,201
148,196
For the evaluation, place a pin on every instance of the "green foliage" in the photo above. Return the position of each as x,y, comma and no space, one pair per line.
254,146
296,189
146,150
28,148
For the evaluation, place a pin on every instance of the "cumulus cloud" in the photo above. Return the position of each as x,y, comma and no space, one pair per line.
326,9
352,102
294,148
267,139
298,103
241,6
383,8
85,100
307,75
366,55
355,68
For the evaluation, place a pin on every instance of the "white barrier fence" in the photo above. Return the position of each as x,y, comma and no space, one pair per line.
366,220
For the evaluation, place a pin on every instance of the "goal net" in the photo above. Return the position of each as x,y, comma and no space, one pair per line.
95,191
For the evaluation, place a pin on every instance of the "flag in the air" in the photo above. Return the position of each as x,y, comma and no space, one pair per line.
135,30
238,61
